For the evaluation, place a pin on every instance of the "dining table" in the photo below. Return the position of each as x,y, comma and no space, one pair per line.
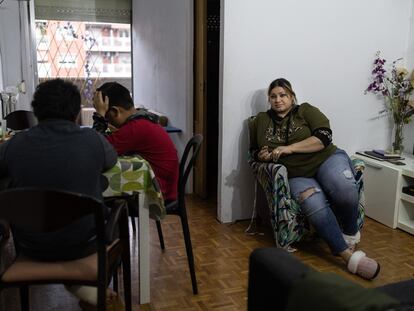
134,175
131,175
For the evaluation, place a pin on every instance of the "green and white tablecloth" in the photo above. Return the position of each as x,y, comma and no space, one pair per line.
133,174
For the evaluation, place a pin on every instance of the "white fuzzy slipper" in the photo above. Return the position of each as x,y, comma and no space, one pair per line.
364,266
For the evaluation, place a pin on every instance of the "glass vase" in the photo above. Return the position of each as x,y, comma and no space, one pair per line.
397,138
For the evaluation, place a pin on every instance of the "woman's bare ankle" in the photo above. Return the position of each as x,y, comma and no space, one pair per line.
346,254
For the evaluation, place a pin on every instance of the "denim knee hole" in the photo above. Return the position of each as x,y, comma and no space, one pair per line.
305,194
348,174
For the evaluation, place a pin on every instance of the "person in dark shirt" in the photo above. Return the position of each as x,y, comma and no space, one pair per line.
321,176
57,154
137,132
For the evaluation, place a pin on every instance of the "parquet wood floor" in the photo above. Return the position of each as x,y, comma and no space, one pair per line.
221,257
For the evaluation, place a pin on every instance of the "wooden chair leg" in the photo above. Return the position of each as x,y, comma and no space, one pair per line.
160,236
189,249
24,298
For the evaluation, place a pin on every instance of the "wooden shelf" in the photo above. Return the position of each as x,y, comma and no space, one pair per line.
408,173
384,200
406,225
407,197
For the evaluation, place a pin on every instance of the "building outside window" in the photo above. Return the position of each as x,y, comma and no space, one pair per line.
85,41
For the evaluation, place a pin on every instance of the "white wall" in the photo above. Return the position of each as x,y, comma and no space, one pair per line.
325,48
163,65
409,56
15,54
9,42
162,58
1,71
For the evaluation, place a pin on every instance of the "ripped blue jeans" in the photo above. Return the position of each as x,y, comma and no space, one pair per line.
331,204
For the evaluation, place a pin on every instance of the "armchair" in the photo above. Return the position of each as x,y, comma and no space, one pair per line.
288,222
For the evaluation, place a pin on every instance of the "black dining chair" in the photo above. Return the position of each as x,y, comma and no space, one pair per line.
20,120
178,207
41,211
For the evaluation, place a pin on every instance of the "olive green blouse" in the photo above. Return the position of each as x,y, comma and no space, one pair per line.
304,119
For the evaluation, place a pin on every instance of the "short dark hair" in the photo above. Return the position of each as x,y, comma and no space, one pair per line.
56,99
283,83
118,95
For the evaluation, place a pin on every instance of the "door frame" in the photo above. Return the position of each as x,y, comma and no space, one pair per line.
200,93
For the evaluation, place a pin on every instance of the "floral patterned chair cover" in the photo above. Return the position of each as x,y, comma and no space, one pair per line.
288,222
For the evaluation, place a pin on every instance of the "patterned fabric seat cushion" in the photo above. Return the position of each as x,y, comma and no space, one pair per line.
288,222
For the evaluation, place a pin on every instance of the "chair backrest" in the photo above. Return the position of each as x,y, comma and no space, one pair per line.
36,210
41,211
193,144
250,133
20,120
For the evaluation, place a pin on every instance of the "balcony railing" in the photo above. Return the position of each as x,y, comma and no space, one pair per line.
111,70
112,44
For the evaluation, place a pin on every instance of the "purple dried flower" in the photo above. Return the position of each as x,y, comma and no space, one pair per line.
395,86
379,61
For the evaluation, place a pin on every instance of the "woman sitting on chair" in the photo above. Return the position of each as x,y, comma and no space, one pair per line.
321,176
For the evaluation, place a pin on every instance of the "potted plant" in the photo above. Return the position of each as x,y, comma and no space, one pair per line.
395,86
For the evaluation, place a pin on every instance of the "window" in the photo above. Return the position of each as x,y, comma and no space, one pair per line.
87,44
67,61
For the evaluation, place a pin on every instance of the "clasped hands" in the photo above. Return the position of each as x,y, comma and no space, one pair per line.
267,155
